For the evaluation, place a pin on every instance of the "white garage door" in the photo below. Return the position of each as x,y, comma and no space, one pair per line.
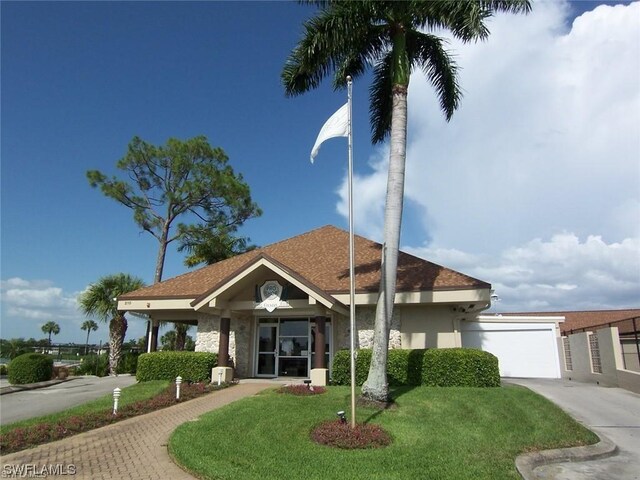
524,350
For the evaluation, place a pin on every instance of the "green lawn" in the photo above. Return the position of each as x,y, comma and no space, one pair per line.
438,433
130,394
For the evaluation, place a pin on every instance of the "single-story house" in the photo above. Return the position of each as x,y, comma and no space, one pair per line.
283,309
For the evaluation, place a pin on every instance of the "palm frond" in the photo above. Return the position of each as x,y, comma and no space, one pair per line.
465,19
428,52
380,99
332,40
98,300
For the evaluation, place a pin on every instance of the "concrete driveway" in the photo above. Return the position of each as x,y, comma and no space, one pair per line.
612,412
42,401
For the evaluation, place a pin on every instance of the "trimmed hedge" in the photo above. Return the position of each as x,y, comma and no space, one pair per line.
191,366
460,367
30,368
446,367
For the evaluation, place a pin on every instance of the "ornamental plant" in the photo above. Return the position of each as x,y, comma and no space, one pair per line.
30,368
339,434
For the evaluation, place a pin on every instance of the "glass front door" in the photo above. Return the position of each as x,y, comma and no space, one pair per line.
293,354
267,349
285,347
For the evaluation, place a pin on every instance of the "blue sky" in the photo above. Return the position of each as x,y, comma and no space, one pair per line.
80,79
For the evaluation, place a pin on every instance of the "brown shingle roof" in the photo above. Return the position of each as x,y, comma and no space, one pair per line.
322,257
593,318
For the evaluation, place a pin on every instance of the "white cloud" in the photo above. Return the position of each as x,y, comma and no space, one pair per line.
28,304
37,299
546,142
368,197
562,273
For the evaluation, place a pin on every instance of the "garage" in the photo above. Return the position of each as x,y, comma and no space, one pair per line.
526,347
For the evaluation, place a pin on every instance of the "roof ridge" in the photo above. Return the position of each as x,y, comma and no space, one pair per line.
236,257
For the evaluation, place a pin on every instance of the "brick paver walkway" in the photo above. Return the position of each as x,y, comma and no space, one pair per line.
135,448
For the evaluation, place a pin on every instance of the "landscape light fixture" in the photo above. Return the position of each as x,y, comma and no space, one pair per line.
343,418
116,397
178,382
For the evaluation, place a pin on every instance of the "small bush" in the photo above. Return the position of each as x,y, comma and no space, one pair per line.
301,390
30,368
191,366
460,367
3,369
404,367
128,363
97,365
442,367
341,374
340,435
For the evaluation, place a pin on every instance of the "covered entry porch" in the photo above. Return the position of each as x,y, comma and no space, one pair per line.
292,346
266,322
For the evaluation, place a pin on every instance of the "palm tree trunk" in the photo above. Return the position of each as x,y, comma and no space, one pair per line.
117,331
181,335
376,386
86,347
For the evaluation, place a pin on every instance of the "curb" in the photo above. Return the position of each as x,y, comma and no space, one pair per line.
32,386
527,462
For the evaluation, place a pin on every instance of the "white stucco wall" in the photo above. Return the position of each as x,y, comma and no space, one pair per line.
429,327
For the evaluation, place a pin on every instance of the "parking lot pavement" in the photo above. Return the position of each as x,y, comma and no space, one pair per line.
30,403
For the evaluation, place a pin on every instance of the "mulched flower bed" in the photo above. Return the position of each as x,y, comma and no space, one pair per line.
22,438
301,390
339,434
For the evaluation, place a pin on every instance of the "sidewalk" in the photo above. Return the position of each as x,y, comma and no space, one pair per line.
135,448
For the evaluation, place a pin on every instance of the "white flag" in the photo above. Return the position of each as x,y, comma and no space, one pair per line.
336,126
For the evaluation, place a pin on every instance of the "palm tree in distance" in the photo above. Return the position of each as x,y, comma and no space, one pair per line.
51,328
392,38
99,300
89,326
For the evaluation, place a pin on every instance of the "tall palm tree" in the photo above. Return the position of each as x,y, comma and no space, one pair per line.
393,39
49,328
89,326
99,300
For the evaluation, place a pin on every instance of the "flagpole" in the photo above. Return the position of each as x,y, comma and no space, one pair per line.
352,278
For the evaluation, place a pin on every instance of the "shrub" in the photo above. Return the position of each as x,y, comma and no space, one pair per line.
3,369
191,366
341,373
460,367
94,365
128,363
301,390
404,367
445,367
338,434
30,368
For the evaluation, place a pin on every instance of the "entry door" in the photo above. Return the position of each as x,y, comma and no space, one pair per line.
293,354
267,349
